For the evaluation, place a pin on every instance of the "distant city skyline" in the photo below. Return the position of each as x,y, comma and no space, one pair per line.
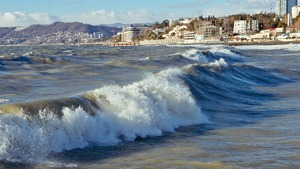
28,12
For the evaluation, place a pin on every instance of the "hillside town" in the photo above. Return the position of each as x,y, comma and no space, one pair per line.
283,25
58,38
57,33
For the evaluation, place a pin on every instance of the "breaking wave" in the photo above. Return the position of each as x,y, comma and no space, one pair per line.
161,102
222,51
109,115
195,55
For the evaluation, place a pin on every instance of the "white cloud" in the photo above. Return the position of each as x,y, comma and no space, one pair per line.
108,16
206,1
240,6
23,18
95,17
91,17
102,16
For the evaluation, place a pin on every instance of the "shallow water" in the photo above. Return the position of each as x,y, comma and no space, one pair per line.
150,107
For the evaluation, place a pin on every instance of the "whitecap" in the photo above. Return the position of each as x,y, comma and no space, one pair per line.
218,63
4,100
224,51
195,55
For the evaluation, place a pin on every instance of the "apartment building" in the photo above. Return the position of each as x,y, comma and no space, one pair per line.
284,7
295,11
208,29
245,26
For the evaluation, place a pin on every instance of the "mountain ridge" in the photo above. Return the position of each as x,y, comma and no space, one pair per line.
38,30
55,33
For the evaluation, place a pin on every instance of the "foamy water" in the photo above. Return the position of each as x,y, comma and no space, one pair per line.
195,55
288,47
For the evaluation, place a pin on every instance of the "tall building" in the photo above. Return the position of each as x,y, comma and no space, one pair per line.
284,7
129,33
290,4
245,26
240,27
295,11
208,29
280,7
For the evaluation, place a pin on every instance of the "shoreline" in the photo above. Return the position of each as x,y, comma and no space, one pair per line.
263,43
276,42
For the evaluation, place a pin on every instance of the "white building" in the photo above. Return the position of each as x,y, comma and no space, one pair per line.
129,33
186,21
244,26
208,29
96,35
189,36
240,27
295,11
176,33
159,30
289,19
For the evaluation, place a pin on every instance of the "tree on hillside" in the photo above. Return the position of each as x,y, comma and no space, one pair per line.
278,24
297,23
155,25
220,23
164,23
193,25
201,18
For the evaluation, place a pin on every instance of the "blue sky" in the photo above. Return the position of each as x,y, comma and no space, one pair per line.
27,12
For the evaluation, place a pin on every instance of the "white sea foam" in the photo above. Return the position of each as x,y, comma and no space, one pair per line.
198,46
289,47
218,63
160,102
224,51
146,58
4,100
195,55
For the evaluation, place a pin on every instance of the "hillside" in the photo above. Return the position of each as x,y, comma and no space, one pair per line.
54,33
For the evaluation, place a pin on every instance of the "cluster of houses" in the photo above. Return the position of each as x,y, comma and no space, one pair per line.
208,32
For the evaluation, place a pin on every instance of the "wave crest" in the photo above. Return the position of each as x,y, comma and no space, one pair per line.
160,102
195,55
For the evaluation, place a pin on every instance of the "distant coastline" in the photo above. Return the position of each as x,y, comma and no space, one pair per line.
276,42
231,43
183,32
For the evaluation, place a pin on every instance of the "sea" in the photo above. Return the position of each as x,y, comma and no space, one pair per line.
150,107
